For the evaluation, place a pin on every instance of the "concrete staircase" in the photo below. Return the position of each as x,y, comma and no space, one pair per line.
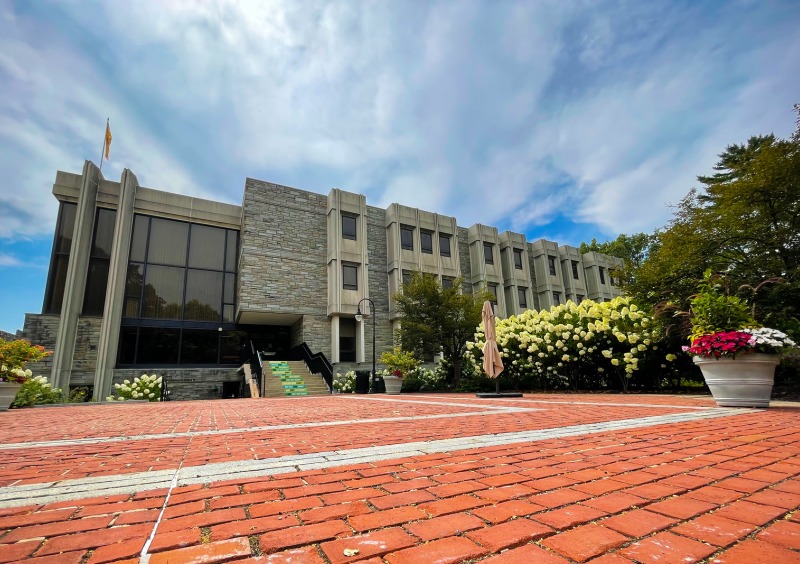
291,378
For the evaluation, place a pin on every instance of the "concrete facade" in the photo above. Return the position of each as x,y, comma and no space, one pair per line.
305,262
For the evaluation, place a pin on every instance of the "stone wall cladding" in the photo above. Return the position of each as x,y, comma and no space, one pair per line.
317,333
283,250
41,330
463,255
185,383
87,337
378,285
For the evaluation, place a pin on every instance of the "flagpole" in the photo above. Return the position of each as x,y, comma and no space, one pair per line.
103,151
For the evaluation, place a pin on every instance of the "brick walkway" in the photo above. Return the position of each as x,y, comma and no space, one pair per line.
410,479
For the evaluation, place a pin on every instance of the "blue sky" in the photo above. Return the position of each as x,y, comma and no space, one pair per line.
579,119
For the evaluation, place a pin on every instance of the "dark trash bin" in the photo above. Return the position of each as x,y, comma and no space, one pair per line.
362,381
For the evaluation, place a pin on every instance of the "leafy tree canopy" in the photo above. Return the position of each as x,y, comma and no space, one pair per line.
436,319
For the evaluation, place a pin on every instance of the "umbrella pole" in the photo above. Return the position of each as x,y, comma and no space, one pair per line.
497,384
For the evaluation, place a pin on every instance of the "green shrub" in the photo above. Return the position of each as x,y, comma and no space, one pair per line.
37,391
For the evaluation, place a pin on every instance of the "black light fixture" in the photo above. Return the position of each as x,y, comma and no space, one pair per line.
359,318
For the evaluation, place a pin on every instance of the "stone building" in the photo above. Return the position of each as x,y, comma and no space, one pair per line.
143,280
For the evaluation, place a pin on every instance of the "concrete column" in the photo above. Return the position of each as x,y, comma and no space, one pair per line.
360,354
115,291
75,284
334,339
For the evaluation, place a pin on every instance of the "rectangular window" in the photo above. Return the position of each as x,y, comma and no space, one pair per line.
349,227
575,269
207,247
203,293
518,259
426,242
447,282
493,290
580,298
163,292
551,263
602,272
349,277
523,297
94,297
556,298
57,277
488,254
199,346
406,277
444,245
168,240
407,238
347,339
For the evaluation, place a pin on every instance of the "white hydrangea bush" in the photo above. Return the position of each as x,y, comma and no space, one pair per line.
608,337
142,388
345,383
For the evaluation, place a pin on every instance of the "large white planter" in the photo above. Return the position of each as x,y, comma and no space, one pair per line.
8,391
393,384
744,381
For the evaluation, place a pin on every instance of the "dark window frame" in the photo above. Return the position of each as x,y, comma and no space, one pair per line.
492,289
602,272
448,282
522,296
517,254
423,236
97,260
346,233
445,238
557,298
345,284
488,253
406,245
551,264
56,257
575,274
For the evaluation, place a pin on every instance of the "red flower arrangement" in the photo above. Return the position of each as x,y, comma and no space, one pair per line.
723,343
398,373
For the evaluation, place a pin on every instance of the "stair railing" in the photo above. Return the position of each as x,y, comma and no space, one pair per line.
256,367
318,363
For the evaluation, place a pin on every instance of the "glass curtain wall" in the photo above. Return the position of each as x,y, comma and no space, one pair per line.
62,242
180,295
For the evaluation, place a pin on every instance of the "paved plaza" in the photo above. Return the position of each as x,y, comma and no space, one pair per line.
411,479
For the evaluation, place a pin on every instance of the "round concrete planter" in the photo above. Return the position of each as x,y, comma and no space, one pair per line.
744,381
393,384
8,391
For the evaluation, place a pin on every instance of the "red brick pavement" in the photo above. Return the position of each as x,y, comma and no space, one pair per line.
721,490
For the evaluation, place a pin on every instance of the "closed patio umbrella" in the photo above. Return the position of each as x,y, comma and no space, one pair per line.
492,364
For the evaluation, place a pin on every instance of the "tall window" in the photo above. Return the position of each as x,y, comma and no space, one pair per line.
488,254
94,297
407,237
518,259
406,277
348,226
444,244
551,263
347,339
580,298
602,272
523,297
180,291
493,290
557,298
575,269
426,242
57,278
447,282
349,276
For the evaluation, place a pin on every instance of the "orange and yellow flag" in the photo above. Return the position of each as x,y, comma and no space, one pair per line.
108,137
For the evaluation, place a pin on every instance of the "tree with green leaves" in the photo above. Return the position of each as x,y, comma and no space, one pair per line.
744,221
436,319
632,249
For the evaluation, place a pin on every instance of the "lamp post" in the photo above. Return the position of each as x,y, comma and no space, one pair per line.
359,318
